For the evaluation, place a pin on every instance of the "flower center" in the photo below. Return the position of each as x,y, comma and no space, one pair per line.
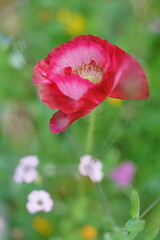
88,168
92,71
26,168
39,202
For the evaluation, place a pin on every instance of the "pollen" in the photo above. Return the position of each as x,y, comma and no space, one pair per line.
92,71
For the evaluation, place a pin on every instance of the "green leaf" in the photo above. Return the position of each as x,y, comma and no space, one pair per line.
135,205
152,235
133,227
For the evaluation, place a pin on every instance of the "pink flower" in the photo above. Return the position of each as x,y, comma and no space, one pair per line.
123,174
39,200
91,168
26,170
78,75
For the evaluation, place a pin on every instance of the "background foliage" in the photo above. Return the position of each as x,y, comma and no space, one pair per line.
124,130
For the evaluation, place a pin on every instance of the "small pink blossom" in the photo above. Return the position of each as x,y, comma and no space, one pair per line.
26,170
39,200
91,167
123,174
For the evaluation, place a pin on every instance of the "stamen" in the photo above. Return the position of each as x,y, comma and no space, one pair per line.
92,71
67,70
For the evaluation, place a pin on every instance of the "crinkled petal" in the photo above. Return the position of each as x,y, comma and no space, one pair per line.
62,91
72,86
93,97
74,53
52,96
106,46
130,81
41,72
59,122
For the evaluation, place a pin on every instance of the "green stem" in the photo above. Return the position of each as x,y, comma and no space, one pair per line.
150,207
89,146
106,206
89,142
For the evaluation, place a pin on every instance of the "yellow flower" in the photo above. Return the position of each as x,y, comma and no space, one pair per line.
115,102
89,232
73,23
42,226
77,25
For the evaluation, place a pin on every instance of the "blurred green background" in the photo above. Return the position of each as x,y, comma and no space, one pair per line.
124,129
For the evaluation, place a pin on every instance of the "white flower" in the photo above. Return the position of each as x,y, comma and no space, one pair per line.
26,170
91,167
39,200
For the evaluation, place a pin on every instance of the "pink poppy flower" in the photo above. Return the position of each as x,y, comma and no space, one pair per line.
78,75
123,174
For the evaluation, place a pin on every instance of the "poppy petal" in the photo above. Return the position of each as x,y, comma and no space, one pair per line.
51,95
72,86
130,80
59,122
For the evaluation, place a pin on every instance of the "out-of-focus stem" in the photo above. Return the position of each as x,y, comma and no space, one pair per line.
89,145
150,207
89,141
105,205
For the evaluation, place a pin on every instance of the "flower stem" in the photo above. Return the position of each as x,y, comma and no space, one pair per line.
150,207
89,145
105,206
89,142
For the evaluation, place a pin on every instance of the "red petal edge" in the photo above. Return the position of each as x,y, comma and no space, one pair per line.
130,79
